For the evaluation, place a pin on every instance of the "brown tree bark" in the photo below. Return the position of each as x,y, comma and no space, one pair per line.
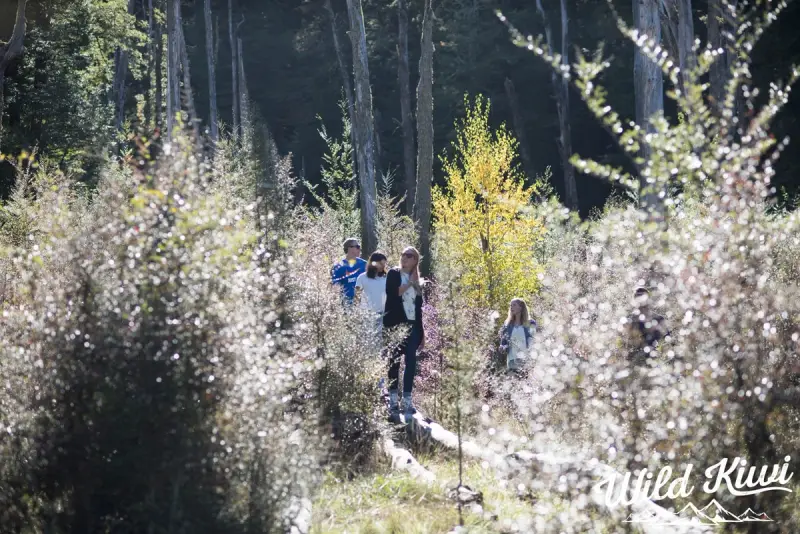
407,118
422,202
648,86
212,74
561,91
10,51
364,129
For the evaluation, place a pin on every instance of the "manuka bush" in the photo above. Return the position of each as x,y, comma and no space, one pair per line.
148,387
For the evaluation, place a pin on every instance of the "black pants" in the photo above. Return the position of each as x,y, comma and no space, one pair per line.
407,347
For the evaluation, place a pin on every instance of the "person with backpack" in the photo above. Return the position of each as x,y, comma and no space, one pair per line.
404,308
344,272
515,335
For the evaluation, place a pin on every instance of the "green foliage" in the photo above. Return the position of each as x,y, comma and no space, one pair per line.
338,177
481,220
59,100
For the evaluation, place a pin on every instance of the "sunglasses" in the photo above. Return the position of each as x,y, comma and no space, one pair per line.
355,246
409,255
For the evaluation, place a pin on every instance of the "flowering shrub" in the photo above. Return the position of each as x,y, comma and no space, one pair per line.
717,264
148,379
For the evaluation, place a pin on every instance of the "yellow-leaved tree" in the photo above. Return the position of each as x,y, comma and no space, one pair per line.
485,232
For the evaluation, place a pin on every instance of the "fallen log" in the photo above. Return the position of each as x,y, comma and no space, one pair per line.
402,460
660,520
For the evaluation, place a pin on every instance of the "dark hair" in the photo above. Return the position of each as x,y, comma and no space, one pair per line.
372,269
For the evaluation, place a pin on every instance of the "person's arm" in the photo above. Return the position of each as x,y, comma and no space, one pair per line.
413,281
359,289
503,340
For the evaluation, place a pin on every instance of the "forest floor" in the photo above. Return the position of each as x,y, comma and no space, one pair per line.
388,501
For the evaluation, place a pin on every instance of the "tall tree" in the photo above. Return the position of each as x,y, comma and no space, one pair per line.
158,52
10,51
212,74
406,117
234,71
120,79
648,84
244,98
721,26
422,202
363,126
173,64
187,93
561,90
679,27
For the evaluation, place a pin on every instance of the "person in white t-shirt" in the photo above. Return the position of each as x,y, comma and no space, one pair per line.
371,287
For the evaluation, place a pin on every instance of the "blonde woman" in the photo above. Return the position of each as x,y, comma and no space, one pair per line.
404,307
515,335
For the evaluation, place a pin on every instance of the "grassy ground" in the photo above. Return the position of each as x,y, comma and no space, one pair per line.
393,502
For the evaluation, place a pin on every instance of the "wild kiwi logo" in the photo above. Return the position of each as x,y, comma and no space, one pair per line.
735,476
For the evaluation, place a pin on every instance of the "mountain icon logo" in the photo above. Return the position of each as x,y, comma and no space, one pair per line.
711,514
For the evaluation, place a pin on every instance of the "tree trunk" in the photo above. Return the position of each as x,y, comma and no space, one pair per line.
721,25
561,91
422,201
158,111
9,52
234,72
648,85
343,70
212,75
679,26
519,127
565,141
244,97
363,127
120,80
173,62
187,92
407,119
151,30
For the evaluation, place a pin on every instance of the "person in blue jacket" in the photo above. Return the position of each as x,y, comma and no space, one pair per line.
345,271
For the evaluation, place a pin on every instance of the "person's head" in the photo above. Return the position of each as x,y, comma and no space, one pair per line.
409,260
376,265
352,248
518,312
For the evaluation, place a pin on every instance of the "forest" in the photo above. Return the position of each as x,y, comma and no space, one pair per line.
576,223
